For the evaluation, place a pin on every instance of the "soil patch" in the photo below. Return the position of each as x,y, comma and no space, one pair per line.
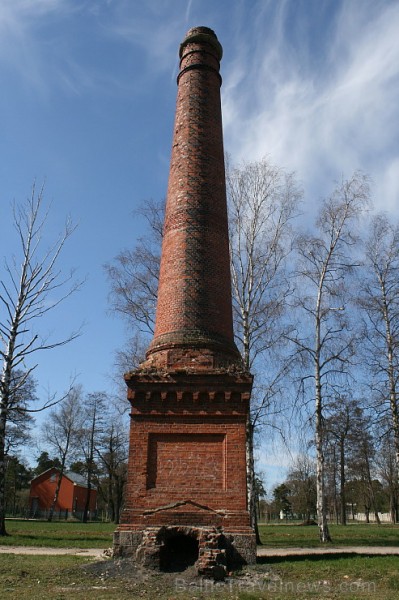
137,577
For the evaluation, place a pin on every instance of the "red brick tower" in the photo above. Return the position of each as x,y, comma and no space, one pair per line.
186,493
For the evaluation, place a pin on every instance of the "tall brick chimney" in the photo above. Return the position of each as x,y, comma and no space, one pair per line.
194,296
186,492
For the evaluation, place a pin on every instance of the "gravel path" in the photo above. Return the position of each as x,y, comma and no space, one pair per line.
90,552
369,550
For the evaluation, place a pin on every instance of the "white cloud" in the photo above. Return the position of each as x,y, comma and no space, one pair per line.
321,118
387,190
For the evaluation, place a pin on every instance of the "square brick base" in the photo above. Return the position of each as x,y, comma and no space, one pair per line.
217,552
187,470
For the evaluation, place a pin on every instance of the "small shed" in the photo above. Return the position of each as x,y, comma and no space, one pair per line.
71,498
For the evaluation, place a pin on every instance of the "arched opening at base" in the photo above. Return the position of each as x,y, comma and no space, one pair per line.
178,553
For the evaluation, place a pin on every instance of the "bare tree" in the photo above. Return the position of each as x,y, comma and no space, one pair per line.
133,275
29,289
342,431
325,342
112,451
362,466
20,422
262,201
388,472
93,423
380,302
301,480
60,433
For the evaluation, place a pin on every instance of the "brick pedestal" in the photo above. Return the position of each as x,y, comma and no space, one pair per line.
187,464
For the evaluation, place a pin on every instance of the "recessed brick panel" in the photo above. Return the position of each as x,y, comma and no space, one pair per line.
186,461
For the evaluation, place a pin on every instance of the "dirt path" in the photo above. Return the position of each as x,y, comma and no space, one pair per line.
262,552
89,552
369,550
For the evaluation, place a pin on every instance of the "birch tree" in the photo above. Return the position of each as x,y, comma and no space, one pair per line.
31,286
325,341
262,202
380,302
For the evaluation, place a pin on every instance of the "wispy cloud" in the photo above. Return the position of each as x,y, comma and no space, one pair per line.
322,118
155,27
312,84
22,47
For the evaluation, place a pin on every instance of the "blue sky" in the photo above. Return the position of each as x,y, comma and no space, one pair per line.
87,102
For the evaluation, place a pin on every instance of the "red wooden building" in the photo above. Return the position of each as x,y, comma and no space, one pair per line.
71,498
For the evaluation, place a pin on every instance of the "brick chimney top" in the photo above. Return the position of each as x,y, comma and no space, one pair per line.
194,324
202,35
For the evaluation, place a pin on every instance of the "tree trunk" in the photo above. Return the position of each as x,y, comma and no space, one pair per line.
335,486
87,505
371,491
391,372
251,479
324,533
59,481
393,508
342,481
118,498
56,493
3,531
88,494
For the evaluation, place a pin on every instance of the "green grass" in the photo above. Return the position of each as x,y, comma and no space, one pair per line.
349,577
99,535
358,534
58,534
62,577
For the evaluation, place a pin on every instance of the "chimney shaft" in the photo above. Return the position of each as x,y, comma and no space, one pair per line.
194,308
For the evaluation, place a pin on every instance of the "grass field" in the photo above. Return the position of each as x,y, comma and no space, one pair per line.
99,535
58,534
62,577
357,534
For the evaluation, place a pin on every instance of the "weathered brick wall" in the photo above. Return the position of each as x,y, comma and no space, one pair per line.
187,450
194,296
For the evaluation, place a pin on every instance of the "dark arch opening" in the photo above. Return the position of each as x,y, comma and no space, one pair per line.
178,553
